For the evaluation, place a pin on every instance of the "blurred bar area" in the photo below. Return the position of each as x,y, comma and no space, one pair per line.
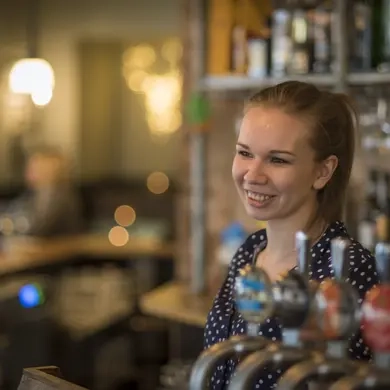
118,214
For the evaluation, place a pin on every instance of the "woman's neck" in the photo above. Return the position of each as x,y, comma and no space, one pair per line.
281,236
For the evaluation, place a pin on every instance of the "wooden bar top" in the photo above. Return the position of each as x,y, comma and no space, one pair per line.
27,253
100,245
45,378
173,301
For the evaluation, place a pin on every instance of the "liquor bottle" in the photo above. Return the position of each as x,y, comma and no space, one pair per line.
360,35
247,24
301,59
322,17
381,35
239,59
280,42
257,57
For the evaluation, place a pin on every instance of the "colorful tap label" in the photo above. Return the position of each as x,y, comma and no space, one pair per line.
252,294
255,285
376,318
337,311
248,305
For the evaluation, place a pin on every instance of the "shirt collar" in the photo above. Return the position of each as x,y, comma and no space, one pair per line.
334,229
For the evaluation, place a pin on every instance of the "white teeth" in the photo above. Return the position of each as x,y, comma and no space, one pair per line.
258,197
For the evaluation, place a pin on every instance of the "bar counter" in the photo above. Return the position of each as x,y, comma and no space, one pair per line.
21,254
173,301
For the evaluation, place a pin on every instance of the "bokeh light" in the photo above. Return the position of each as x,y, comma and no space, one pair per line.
7,226
140,56
172,51
157,182
118,236
162,91
125,215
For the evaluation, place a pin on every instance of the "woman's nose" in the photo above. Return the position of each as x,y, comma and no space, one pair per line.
256,173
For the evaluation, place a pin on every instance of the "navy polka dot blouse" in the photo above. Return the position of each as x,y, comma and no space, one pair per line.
224,320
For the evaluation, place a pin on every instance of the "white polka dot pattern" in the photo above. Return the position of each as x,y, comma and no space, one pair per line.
224,321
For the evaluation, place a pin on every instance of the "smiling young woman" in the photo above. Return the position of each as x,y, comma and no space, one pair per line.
292,166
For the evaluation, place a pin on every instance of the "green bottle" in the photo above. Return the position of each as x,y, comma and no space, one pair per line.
381,35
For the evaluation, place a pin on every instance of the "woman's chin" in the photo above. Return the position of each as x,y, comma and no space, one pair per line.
261,211
259,215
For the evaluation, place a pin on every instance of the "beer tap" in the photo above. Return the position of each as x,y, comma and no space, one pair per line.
376,331
253,297
338,312
293,297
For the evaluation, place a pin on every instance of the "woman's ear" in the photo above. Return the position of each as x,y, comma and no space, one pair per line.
325,171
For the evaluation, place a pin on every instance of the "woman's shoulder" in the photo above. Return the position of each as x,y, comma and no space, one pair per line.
362,270
356,249
362,267
359,262
254,242
358,256
255,239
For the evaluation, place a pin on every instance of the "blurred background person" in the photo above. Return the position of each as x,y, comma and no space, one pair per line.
50,206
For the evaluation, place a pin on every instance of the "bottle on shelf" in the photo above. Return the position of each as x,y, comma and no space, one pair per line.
322,17
280,42
239,51
359,35
302,47
249,36
258,54
381,35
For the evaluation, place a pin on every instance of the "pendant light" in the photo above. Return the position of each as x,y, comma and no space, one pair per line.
33,75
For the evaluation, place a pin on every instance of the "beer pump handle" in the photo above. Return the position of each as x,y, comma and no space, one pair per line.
338,249
302,245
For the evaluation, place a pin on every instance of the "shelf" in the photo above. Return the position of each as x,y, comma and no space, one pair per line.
368,78
238,82
242,83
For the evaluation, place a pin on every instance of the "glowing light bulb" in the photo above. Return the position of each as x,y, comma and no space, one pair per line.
42,96
35,77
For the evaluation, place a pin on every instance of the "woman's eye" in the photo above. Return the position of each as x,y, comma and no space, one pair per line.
277,160
244,153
